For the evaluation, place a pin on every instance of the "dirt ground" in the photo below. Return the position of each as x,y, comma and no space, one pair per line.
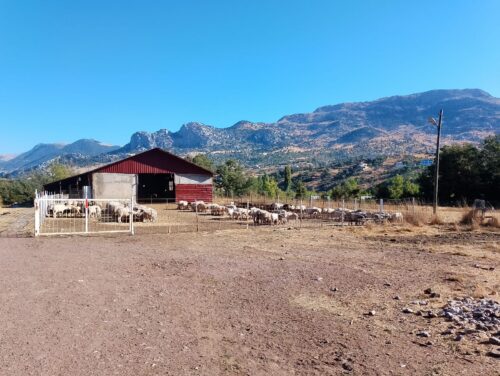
243,302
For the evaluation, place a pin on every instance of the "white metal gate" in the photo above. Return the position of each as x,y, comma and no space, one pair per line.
59,215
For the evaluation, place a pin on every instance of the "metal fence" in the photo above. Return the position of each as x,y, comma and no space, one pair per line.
56,214
60,215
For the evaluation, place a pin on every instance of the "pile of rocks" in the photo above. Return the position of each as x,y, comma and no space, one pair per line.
468,313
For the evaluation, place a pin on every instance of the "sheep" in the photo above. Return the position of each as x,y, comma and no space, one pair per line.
150,214
396,217
182,205
58,208
276,206
122,213
216,209
313,212
198,206
94,211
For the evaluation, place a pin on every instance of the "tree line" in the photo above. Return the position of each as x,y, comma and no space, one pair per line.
467,172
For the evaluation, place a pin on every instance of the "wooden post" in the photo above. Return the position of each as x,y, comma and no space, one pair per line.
436,170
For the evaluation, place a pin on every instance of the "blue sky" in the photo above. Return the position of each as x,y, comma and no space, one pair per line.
104,69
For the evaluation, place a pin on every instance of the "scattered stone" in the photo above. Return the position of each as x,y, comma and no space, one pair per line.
495,353
397,297
371,313
334,289
473,314
435,295
423,334
346,366
459,337
281,258
495,341
447,332
407,310
319,279
431,314
387,284
428,291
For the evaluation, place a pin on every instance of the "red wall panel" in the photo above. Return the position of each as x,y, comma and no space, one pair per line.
193,192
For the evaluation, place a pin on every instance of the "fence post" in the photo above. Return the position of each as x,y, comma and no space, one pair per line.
196,211
301,212
381,205
342,215
86,216
37,216
248,213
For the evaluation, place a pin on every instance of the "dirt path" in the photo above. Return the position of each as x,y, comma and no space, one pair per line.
239,302
16,222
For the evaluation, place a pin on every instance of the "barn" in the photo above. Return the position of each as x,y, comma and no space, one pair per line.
154,175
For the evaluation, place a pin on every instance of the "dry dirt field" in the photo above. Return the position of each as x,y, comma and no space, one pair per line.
243,302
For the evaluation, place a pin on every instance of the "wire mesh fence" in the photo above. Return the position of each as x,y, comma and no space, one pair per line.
58,216
62,215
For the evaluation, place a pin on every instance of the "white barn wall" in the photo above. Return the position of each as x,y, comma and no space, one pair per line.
114,186
192,179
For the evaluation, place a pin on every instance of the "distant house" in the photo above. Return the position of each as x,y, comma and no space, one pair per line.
399,165
426,162
362,166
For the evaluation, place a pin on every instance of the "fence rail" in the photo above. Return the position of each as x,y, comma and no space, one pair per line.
60,215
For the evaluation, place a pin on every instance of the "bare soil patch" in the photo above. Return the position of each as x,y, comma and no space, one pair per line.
242,302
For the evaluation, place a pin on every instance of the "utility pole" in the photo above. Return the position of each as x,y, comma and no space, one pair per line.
436,161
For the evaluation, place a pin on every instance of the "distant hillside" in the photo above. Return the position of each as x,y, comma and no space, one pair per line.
389,126
42,153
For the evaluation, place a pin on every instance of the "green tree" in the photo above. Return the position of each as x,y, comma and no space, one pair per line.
288,178
58,171
396,187
300,189
203,161
466,172
347,189
232,179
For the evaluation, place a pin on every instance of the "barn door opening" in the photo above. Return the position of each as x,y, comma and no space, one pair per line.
156,187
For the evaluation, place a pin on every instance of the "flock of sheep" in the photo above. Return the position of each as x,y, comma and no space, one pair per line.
112,211
277,213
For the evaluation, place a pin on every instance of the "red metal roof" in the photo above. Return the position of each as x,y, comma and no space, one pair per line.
154,161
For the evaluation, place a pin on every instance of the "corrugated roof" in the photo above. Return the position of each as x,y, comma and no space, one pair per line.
153,161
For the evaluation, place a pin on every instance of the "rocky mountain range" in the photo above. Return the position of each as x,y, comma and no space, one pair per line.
394,126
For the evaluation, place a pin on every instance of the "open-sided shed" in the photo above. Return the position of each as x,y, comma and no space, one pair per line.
152,175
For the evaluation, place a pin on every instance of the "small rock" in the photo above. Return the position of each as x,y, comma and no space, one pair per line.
334,289
346,366
387,284
435,295
495,341
423,334
407,310
459,337
397,297
319,279
281,258
428,291
372,313
447,332
495,353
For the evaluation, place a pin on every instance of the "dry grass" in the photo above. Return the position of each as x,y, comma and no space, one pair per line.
436,220
469,218
415,219
494,222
